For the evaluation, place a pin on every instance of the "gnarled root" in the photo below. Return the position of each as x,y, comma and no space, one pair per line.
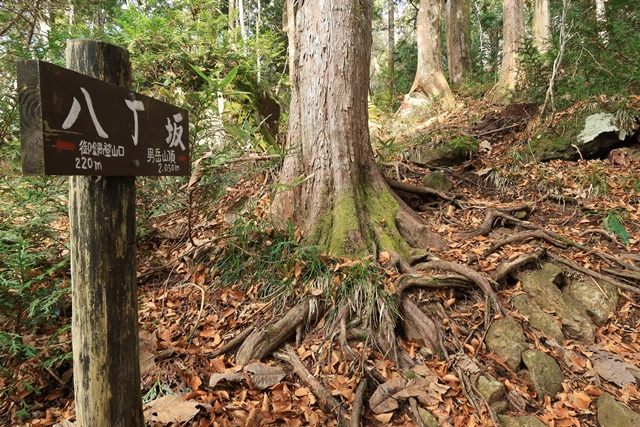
477,278
507,268
265,340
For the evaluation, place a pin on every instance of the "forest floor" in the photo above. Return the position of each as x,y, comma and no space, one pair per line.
189,313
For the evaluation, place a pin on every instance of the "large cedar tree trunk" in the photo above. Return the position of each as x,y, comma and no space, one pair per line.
512,35
541,22
459,39
331,187
430,79
391,36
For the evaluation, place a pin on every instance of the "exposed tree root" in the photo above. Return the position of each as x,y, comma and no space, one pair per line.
625,274
503,213
328,403
358,403
265,340
418,327
507,268
416,232
592,273
524,236
408,281
420,191
477,278
233,343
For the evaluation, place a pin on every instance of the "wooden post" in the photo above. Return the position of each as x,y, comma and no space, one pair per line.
106,368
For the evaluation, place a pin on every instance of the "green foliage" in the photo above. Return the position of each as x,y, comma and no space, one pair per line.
613,222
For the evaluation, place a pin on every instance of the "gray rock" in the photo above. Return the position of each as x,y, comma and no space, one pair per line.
428,419
452,152
438,181
544,371
540,320
541,286
506,338
526,421
599,300
614,414
597,124
493,392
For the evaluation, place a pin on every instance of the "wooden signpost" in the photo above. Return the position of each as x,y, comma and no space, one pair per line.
87,124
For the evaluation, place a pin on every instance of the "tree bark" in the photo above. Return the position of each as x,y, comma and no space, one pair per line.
331,186
601,19
459,40
106,372
430,79
541,25
512,34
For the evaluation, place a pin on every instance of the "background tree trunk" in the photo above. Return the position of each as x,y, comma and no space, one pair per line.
513,34
459,40
541,23
430,79
601,19
333,190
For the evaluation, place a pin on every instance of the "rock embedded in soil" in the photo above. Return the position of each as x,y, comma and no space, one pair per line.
438,181
506,338
544,371
544,322
525,421
542,287
599,299
447,153
428,419
611,413
493,392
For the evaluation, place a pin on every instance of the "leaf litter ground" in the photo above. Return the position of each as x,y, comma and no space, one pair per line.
188,313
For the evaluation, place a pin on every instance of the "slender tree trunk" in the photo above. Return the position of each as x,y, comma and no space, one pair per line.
258,60
513,34
541,25
392,48
333,190
459,40
430,79
601,19
232,15
243,30
291,35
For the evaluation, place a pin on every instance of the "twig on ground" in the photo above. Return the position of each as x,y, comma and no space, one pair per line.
202,300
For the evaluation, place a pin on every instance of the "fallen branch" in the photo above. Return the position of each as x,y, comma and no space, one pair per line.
262,342
477,278
592,273
233,343
328,403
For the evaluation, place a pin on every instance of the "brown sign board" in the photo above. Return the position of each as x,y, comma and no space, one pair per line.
73,124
